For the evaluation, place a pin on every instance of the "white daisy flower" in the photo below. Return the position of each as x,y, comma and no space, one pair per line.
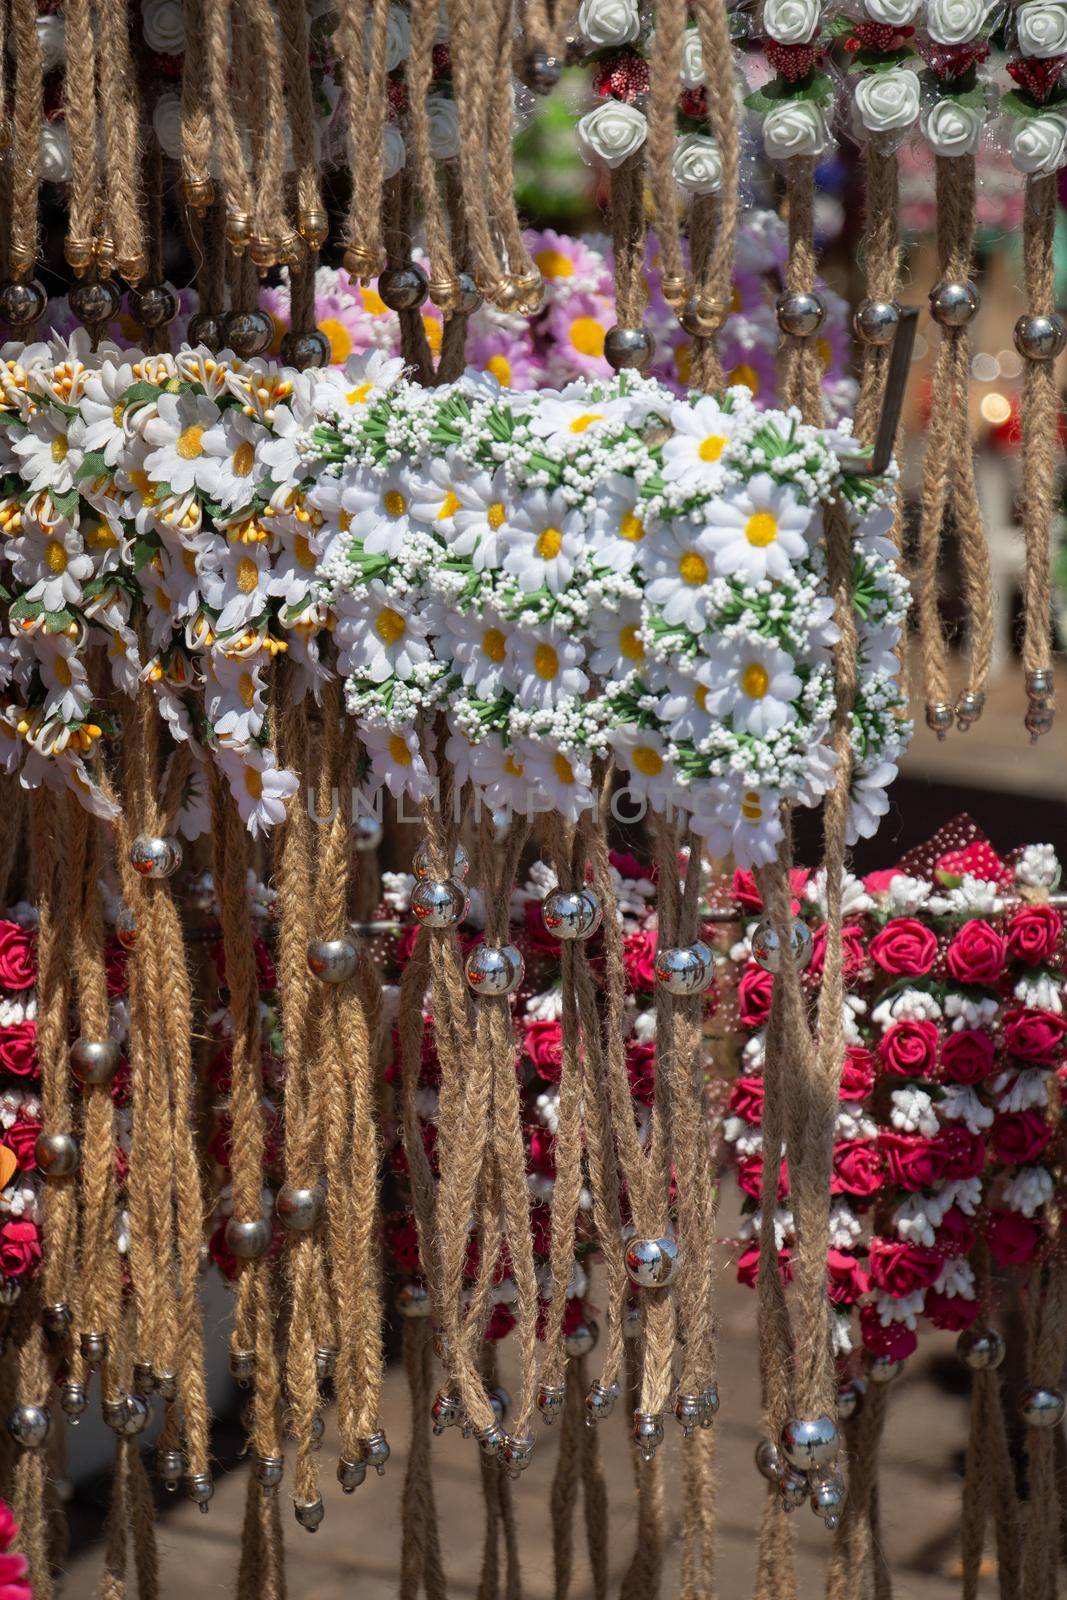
480,528
544,542
63,674
617,529
615,639
281,451
365,378
679,562
378,504
755,685
476,642
499,770
235,698
556,779
869,801
397,761
741,819
684,707
433,495
48,452
293,568
379,635
260,787
175,438
546,664
757,529
568,420
232,443
239,587
692,457
642,753
51,570
102,411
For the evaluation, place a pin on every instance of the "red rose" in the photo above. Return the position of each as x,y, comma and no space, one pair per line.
402,1242
977,953
18,1049
20,1247
950,1312
542,1152
641,1071
116,961
955,1236
904,947
1034,933
1034,1035
750,1177
541,1228
896,1341
754,996
18,960
879,882
909,1049
912,1163
857,1169
746,1100
20,1139
1019,1137
853,954
627,865
543,1043
500,1324
748,896
901,1269
964,1152
748,1266
540,940
857,1073
1012,1238
849,1279
638,960
967,1056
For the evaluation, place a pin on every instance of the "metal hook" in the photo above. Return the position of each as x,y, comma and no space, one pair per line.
896,382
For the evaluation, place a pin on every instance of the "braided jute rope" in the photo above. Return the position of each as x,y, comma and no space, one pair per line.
800,365
1046,1350
1040,429
665,70
421,1569
28,114
714,218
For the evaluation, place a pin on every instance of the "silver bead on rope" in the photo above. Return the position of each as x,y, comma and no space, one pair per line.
153,856
550,1398
56,1319
170,1464
350,1474
413,1301
883,1369
952,304
981,1349
422,866
810,1443
647,1433
375,1451
849,1399
599,1404
571,913
1042,1408
651,1263
689,1410
875,321
1039,713
57,1155
685,970
242,1366
939,718
94,1061
333,960
767,948
969,708
200,1486
799,313
73,1400
29,1426
581,1339
1040,336
248,1240
491,1440
768,1461
792,1488
403,288
517,1453
628,349
93,1348
309,1513
439,902
325,1362
298,1210
709,1405
447,1410
494,969
827,1496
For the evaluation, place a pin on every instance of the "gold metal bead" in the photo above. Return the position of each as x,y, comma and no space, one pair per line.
292,251
263,252
445,293
198,194
79,254
104,254
675,290
238,231
703,316
132,268
22,258
361,263
314,227
532,292
506,293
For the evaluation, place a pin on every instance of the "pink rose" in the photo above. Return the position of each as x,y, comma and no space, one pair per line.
857,1169
627,865
857,1073
1012,1239
909,1049
950,1312
18,1049
967,1056
912,1163
849,1279
638,959
543,1043
754,996
879,882
1034,1035
20,1247
977,953
895,1341
905,947
901,1269
1034,934
1019,1138
18,959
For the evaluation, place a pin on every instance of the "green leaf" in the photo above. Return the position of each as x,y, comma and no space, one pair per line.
24,610
1018,104
141,392
66,504
58,621
878,60
144,550
93,466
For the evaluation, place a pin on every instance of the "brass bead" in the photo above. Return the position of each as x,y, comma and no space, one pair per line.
155,306
132,268
506,293
198,194
22,303
304,350
675,290
361,263
22,259
248,333
292,251
204,328
445,294
703,316
104,254
314,227
532,294
79,254
238,231
263,252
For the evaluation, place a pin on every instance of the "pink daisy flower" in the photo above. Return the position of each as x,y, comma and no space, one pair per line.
568,266
576,332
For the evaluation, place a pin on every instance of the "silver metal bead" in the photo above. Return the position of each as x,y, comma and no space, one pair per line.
367,831
827,1496
1040,683
447,1410
500,1401
269,1472
243,1366
93,1348
154,856
953,304
581,1339
248,1240
350,1474
628,349
1042,1408
689,1410
651,1263
939,718
422,866
126,928
403,288
491,1440
494,969
883,1369
23,301
376,1451
56,1318
849,1399
1039,337
309,1513
550,1398
57,1154
170,1464
543,71
298,1210
517,1453
29,1426
571,913
768,1461
810,1442
875,321
1038,721
166,1385
439,902
413,1300
599,1403
969,708
144,1379
468,297
325,1362
709,1405
767,949
792,1488
94,1061
981,1349
134,1418
685,970
199,1486
647,1433
73,1400
332,960
799,314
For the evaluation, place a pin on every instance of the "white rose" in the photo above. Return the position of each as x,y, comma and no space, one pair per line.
608,22
956,21
795,128
161,21
895,13
51,37
791,21
1039,144
394,151
55,153
444,127
697,164
888,99
1042,29
952,129
611,132
692,59
397,38
167,121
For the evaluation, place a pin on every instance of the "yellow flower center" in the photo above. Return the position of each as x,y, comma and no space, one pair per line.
254,783
630,643
449,506
692,568
587,336
243,457
340,340
55,557
163,600
493,644
586,420
373,303
117,412
60,448
554,264
246,689
761,529
712,447
63,673
495,515
751,809
631,527
98,536
389,625
302,552
189,562
683,363
358,395
549,543
434,333
247,575
512,767
647,761
746,375
500,368
546,662
189,444
562,768
394,503
399,750
755,680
